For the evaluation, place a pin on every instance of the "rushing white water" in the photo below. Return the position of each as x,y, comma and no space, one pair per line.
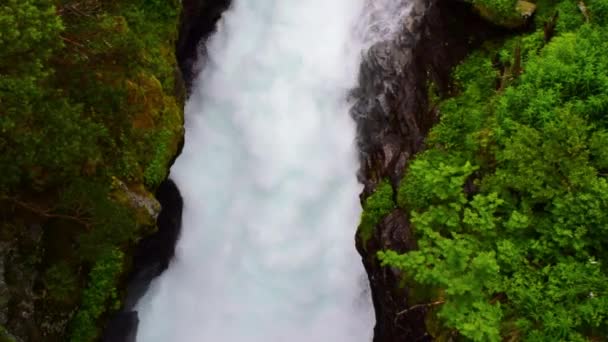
268,180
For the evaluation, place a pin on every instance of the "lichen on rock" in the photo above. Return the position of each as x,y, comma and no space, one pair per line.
142,202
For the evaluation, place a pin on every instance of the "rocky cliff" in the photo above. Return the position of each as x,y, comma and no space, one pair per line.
153,253
394,112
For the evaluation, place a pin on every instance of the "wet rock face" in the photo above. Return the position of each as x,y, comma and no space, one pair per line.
153,254
391,103
390,300
198,21
391,125
393,117
151,258
122,328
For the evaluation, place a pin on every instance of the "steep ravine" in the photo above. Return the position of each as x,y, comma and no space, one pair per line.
393,116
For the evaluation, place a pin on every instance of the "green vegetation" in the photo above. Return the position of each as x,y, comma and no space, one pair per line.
507,13
503,9
84,86
510,200
101,291
88,96
376,207
5,336
61,281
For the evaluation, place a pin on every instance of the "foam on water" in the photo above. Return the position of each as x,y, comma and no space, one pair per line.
268,180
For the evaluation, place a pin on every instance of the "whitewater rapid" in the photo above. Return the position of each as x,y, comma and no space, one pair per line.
268,178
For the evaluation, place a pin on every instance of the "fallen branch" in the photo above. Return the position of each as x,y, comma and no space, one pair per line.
47,213
584,10
68,40
74,8
549,27
439,302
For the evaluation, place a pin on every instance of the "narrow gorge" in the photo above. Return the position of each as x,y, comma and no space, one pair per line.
268,179
383,54
321,170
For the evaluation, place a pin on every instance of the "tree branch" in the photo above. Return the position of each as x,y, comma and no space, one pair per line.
65,39
47,213
439,302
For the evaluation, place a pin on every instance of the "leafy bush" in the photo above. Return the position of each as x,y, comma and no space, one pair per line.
61,282
510,202
376,207
67,108
499,8
100,291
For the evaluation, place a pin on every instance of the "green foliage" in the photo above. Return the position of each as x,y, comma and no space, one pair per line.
434,178
61,282
376,207
109,223
510,201
499,8
75,89
30,33
598,10
43,136
5,336
100,291
464,114
599,152
88,93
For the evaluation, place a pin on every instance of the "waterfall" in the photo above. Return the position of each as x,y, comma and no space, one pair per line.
268,177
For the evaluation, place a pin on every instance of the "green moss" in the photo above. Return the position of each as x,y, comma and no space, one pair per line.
507,13
100,293
376,207
163,142
503,9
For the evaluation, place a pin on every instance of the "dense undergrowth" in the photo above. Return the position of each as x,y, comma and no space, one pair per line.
509,202
89,97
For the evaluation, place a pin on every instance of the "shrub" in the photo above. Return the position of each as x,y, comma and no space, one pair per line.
376,207
510,203
100,292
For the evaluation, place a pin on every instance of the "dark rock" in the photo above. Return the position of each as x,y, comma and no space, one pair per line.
154,252
197,23
393,117
391,103
122,328
389,299
151,258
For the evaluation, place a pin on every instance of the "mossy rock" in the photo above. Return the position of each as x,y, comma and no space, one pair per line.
143,203
512,19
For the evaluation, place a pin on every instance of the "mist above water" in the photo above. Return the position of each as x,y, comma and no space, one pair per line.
268,178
